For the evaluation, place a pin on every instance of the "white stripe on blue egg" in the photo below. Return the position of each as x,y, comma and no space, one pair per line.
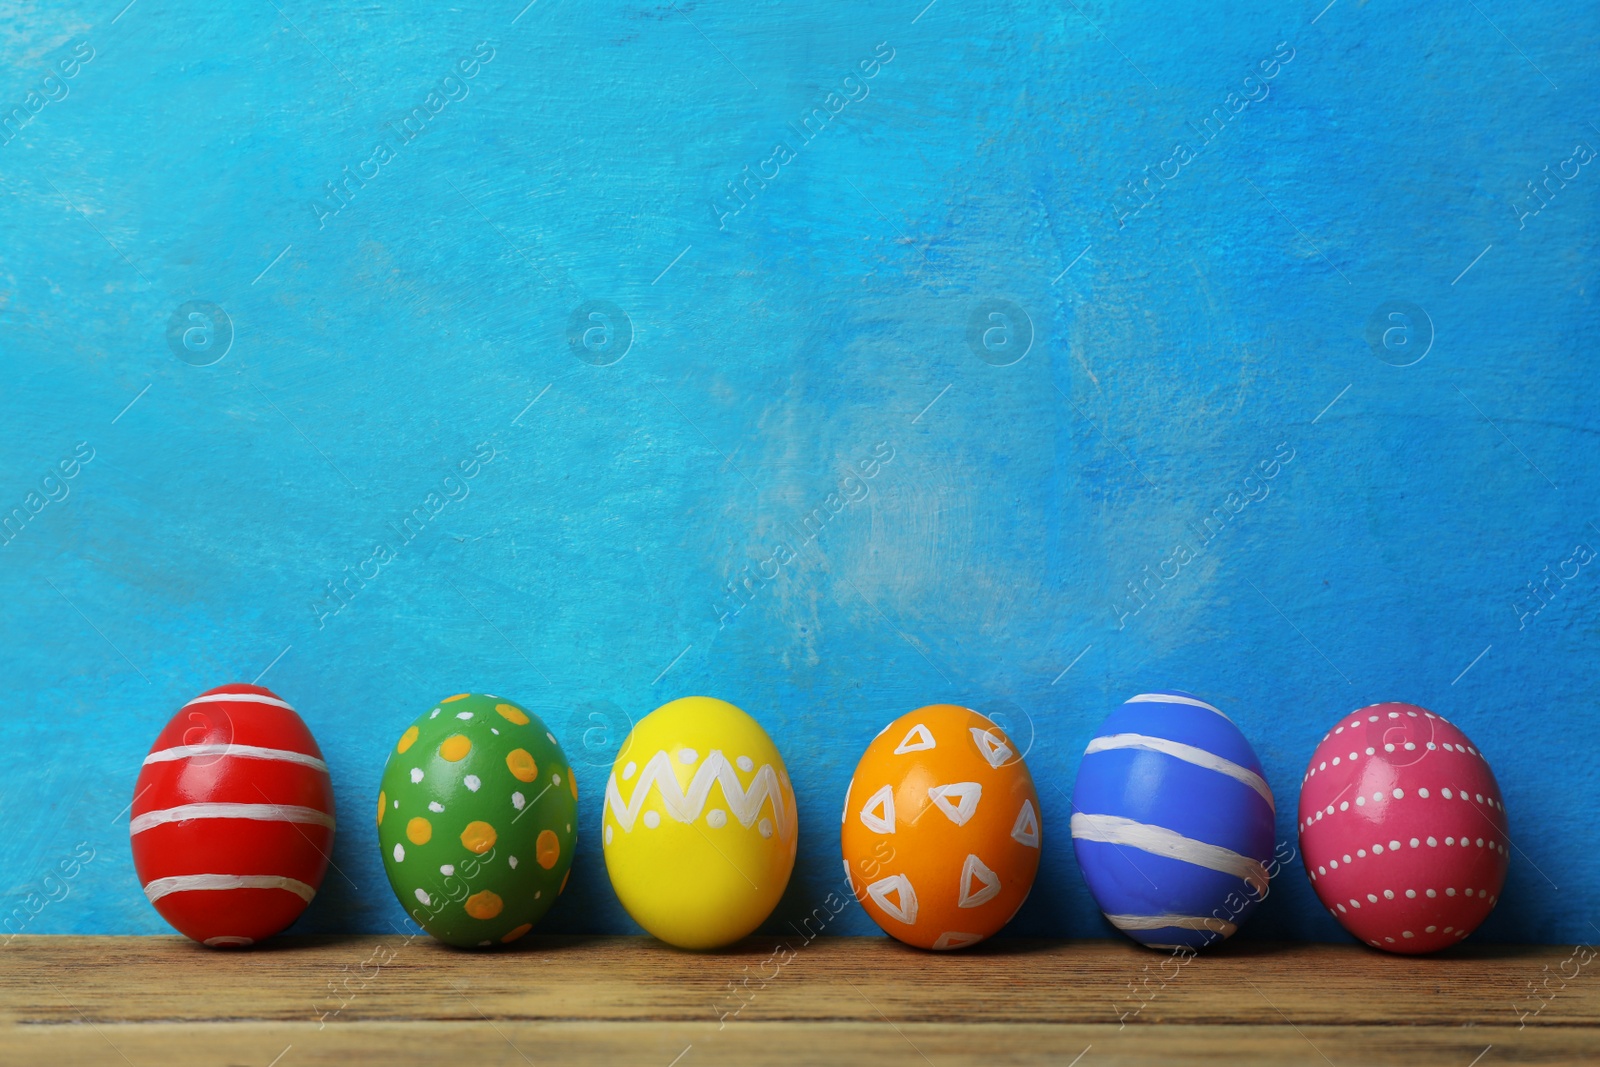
1198,756
1115,830
1161,922
1174,698
1173,821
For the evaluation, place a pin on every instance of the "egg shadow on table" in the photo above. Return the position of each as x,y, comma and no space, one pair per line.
535,943
999,946
278,943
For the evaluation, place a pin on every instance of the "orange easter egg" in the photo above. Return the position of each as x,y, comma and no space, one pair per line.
941,828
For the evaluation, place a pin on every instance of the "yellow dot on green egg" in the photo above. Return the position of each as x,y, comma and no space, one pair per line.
573,782
380,807
515,932
419,830
521,764
407,739
454,747
512,713
484,905
478,837
548,849
458,696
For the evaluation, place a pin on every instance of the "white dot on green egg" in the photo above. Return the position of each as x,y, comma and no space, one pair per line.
399,852
513,861
627,771
569,828
765,826
434,714
652,819
471,782
448,869
687,755
537,894
517,800
492,730
397,803
434,805
416,775
463,714
555,779
551,736
746,764
422,896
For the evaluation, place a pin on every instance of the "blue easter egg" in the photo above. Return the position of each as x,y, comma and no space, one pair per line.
1172,822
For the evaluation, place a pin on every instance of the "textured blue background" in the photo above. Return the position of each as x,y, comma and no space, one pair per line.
585,573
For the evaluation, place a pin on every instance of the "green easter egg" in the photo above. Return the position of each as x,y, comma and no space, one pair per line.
475,819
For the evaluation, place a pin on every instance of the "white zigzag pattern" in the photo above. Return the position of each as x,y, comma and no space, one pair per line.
687,807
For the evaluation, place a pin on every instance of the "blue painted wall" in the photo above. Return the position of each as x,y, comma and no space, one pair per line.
1173,337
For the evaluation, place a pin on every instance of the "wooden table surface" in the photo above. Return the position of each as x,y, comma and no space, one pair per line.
617,1000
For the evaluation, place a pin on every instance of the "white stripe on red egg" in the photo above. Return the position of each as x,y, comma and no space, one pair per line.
157,888
283,755
254,812
243,698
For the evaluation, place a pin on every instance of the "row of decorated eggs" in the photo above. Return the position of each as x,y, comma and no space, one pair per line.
1401,826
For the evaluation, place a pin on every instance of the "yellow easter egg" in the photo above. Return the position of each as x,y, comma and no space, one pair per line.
699,823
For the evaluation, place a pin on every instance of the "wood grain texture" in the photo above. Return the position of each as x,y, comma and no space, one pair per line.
838,1000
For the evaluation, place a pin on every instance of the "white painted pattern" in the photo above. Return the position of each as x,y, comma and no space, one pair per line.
1025,831
924,740
1182,922
243,698
1169,698
882,820
1394,846
991,746
966,794
1423,792
1160,841
975,870
1188,754
686,806
952,939
904,906
283,755
186,883
255,812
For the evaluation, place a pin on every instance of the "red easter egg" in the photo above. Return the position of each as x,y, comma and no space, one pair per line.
1402,829
232,817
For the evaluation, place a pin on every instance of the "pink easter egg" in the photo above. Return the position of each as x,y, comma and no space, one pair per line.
1402,829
